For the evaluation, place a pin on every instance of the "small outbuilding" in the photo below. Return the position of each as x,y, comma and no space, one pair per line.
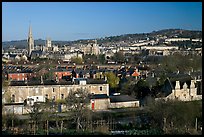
123,101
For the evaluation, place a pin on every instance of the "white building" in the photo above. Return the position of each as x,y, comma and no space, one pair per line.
177,39
32,99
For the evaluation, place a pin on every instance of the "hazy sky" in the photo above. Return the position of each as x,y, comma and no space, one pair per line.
81,20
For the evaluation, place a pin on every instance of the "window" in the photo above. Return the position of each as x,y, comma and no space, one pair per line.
62,96
13,98
53,90
46,96
53,98
100,88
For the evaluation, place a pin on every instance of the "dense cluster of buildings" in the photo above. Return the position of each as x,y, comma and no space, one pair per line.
28,85
66,52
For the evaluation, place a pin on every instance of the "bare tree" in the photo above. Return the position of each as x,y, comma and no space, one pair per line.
77,103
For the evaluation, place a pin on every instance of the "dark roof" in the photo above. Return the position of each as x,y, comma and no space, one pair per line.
8,104
99,96
19,72
121,98
62,70
12,55
37,52
166,89
78,79
96,81
37,82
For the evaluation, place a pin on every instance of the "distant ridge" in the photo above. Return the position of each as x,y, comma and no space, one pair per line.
124,37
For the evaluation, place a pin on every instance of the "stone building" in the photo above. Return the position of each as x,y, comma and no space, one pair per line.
99,96
55,92
187,92
91,48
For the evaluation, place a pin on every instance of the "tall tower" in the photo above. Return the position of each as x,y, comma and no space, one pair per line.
49,43
30,42
95,49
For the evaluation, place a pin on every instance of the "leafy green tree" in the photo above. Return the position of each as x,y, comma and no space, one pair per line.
77,60
90,59
141,89
112,79
101,58
118,57
127,88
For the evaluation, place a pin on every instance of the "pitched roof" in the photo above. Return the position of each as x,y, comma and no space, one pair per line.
135,74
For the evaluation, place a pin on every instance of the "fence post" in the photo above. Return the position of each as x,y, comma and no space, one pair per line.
47,127
196,123
61,126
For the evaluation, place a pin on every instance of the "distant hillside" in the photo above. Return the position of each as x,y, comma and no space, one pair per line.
125,37
23,43
166,32
179,32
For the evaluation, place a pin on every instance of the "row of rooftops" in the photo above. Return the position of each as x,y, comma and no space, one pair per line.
18,69
53,82
21,69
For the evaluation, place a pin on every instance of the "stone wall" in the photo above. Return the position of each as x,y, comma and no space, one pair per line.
124,104
15,109
101,104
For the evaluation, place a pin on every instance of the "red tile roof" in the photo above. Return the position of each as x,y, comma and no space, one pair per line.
135,74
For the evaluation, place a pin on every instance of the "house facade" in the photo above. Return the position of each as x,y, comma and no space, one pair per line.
184,93
19,76
55,92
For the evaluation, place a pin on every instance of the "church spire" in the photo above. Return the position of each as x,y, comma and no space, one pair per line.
30,31
30,41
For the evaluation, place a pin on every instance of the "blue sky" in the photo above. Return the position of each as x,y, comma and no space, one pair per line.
82,20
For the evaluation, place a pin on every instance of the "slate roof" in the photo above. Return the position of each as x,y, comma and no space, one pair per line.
121,98
37,82
12,55
96,81
99,96
35,53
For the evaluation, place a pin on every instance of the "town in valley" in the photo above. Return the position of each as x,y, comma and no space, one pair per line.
130,84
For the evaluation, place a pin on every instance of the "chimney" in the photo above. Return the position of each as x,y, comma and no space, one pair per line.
41,80
57,80
177,85
193,83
